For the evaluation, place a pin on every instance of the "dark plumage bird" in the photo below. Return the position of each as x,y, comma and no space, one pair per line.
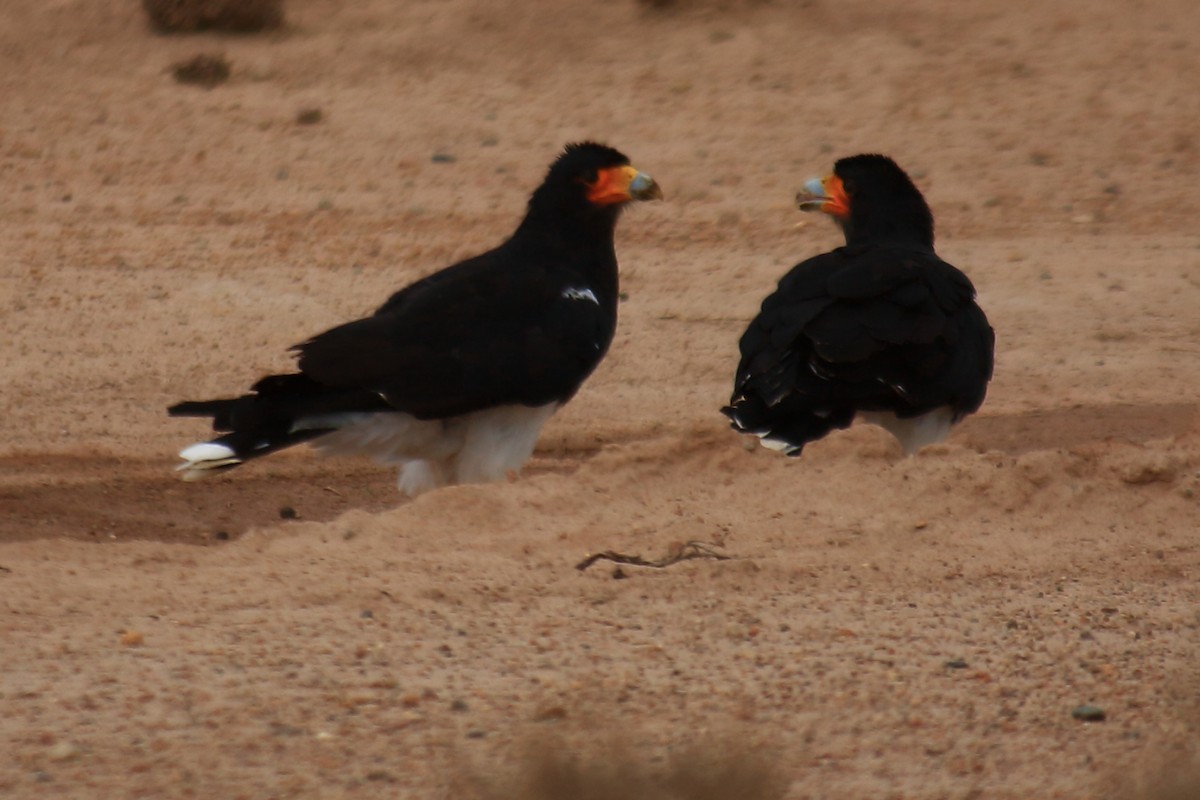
454,376
881,328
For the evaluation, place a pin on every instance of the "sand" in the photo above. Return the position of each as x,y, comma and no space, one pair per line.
882,627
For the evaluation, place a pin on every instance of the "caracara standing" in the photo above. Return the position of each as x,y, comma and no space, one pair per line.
454,376
881,328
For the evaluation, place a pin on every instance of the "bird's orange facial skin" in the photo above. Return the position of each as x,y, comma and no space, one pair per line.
611,186
825,194
837,203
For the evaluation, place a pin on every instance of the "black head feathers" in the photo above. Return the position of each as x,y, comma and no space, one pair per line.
885,204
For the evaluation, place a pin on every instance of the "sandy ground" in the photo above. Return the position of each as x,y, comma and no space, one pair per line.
885,628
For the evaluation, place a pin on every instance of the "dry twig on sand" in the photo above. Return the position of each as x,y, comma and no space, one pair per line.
679,552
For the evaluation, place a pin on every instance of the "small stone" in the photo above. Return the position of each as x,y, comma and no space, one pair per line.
475,733
366,613
280,729
64,751
202,70
618,574
550,713
309,116
1088,713
443,158
460,706
956,663
133,639
287,512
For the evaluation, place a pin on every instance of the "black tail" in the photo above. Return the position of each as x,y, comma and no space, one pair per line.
284,410
787,426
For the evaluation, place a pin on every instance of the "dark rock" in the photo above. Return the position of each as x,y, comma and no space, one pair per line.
1087,713
188,16
202,70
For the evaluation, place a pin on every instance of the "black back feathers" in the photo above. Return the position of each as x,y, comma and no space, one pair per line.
881,325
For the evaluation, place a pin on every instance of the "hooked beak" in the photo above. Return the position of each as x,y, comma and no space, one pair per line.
824,194
643,187
622,184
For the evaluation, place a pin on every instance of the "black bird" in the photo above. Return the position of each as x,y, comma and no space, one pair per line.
454,376
881,328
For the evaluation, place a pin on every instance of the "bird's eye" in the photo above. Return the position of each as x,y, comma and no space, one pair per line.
591,176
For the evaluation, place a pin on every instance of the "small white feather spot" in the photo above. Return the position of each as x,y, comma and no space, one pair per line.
573,293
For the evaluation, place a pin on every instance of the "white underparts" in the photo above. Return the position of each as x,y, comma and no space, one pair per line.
478,447
914,433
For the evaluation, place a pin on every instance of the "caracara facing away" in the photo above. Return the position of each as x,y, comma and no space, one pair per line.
454,376
881,329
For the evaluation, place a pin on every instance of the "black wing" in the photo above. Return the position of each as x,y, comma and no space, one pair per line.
482,333
865,328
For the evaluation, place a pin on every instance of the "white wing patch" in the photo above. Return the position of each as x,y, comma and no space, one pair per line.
573,293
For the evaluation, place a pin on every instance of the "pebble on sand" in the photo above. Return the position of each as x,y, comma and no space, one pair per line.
1088,713
64,751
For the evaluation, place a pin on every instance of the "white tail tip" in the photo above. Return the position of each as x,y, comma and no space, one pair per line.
207,451
203,457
